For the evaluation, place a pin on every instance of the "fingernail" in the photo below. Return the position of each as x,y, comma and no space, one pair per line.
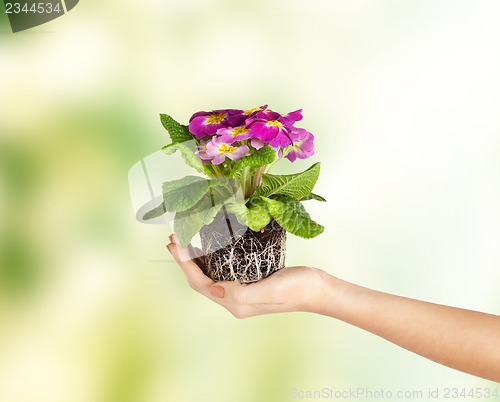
217,291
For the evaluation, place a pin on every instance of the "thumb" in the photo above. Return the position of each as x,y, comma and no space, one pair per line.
232,292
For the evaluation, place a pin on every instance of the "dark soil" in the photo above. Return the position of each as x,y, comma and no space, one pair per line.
234,252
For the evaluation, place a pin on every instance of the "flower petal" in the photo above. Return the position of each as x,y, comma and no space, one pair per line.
296,115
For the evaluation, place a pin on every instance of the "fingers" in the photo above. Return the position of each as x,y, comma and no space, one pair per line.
244,301
196,255
289,289
196,278
224,293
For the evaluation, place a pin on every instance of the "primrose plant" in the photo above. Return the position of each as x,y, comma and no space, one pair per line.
233,151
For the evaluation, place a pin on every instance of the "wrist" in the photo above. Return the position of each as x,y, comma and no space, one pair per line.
331,296
319,290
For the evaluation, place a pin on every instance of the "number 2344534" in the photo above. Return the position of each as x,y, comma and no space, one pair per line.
35,8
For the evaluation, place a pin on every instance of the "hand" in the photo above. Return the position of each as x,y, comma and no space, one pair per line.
289,289
474,348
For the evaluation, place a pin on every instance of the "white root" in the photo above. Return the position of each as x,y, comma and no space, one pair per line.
239,254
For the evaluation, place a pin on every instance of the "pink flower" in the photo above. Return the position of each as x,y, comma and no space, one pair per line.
219,150
256,143
255,110
202,153
268,127
239,119
292,117
204,124
272,127
232,134
303,145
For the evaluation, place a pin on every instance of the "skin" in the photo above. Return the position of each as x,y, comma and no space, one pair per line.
465,340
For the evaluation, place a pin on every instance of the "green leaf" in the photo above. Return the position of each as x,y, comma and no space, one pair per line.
178,132
182,141
155,212
189,222
187,153
186,225
313,196
207,208
261,157
292,216
238,209
298,185
180,195
257,214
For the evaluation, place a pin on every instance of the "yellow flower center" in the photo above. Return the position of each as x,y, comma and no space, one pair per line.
238,131
215,118
250,111
225,149
275,123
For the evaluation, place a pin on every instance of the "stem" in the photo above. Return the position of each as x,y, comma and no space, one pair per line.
249,183
243,181
217,171
209,171
228,222
257,179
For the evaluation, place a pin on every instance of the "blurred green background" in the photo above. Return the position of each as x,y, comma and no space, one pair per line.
402,97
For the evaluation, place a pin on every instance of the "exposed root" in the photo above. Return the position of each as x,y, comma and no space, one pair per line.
235,253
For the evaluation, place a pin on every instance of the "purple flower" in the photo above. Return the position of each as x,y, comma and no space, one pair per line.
202,153
254,111
219,150
256,143
267,127
240,118
303,145
232,134
272,127
266,114
204,124
292,117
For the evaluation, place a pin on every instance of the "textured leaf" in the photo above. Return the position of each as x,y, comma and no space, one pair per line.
238,208
187,152
298,185
186,225
178,132
257,214
292,216
207,208
155,212
223,189
261,157
189,222
180,195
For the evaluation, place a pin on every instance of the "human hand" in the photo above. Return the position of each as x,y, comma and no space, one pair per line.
404,321
289,289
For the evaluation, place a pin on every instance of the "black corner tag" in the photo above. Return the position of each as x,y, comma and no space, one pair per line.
26,14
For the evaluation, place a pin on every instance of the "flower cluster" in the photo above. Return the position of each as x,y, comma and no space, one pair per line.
234,150
234,133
